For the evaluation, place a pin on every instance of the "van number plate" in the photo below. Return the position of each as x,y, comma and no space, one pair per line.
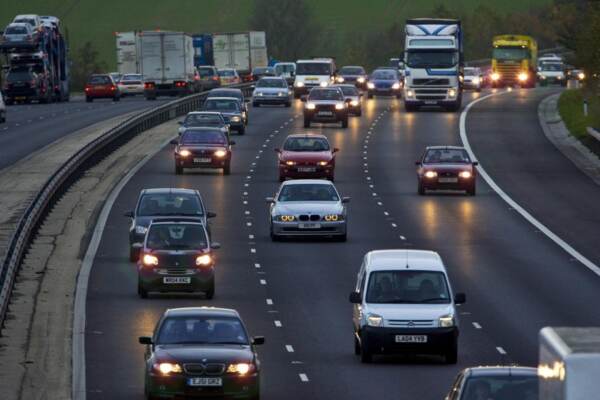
411,338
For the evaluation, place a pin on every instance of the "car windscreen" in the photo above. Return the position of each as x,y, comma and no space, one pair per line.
281,68
510,53
349,90
261,70
308,192
501,387
206,72
19,76
194,137
221,105
352,71
25,21
16,30
407,287
384,75
431,58
313,69
99,80
271,83
165,236
202,120
227,72
325,94
202,330
446,156
471,72
554,67
167,204
132,78
306,144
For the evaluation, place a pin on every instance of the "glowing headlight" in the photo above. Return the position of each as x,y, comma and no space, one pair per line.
360,79
184,153
323,163
290,163
354,103
542,77
287,218
396,86
168,368
281,94
374,320
430,174
410,93
451,92
340,79
259,94
240,369
465,174
371,85
141,230
476,80
220,153
340,106
581,76
310,106
559,77
236,119
203,260
150,259
299,84
323,84
523,76
495,76
333,218
447,321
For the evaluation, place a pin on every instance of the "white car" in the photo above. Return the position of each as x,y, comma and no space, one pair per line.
2,109
403,303
131,84
31,19
20,32
472,78
270,91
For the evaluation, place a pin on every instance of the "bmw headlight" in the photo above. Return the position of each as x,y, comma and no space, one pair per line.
220,153
166,368
240,368
447,321
184,153
236,119
286,218
371,85
141,230
333,217
465,174
374,320
310,106
430,174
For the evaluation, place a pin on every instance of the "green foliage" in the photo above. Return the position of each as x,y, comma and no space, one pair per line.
570,107
85,62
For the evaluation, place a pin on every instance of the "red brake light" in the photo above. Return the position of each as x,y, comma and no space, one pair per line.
113,87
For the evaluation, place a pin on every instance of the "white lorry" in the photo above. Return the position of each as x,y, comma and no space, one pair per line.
166,61
433,56
127,60
569,363
241,51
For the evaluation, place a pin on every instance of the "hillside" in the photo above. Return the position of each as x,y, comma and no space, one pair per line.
96,21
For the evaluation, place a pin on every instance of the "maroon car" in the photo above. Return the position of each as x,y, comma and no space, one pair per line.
446,168
204,147
101,87
306,156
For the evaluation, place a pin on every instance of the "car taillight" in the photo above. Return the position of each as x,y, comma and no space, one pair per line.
180,84
215,78
148,85
113,87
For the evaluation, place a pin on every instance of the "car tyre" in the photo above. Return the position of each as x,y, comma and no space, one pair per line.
409,107
210,293
274,237
471,191
345,122
306,123
142,292
242,130
451,355
366,357
88,99
227,168
343,238
421,189
288,104
256,105
356,346
3,117
134,254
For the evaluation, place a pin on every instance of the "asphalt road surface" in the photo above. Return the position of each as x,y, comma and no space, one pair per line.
295,293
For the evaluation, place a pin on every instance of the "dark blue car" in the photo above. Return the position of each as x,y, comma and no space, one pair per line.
384,82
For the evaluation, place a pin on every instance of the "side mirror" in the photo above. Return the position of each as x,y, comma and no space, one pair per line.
270,200
128,214
335,150
137,246
215,246
258,340
417,162
179,122
145,340
252,86
174,141
232,142
475,163
346,200
277,150
460,298
355,298
211,214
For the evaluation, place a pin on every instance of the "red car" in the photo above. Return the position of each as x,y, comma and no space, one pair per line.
101,87
446,168
306,156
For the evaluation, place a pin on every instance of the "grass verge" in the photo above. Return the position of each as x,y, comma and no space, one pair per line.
570,107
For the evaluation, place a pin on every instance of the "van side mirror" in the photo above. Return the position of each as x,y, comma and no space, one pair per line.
174,141
258,340
460,298
345,200
211,214
277,150
475,163
270,200
145,340
128,214
355,298
417,162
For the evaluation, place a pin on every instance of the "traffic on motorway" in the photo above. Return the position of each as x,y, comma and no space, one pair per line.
403,305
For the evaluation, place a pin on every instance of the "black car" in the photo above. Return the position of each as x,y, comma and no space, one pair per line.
197,119
515,383
325,105
163,202
177,257
232,92
203,148
201,352
209,77
25,84
353,75
232,110
261,72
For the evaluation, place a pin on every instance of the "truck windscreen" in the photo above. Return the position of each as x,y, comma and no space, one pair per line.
313,69
510,53
431,59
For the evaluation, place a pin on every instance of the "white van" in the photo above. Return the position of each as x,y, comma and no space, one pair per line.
403,303
312,73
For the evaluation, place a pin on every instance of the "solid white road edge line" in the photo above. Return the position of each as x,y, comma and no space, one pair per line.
513,204
78,349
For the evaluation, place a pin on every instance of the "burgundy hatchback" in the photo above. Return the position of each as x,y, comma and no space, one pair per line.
101,87
446,168
306,156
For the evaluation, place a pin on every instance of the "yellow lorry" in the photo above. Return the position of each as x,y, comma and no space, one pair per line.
514,61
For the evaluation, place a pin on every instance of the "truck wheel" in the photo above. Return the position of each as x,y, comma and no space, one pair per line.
306,123
142,292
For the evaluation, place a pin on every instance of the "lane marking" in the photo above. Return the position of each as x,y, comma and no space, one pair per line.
476,325
303,377
269,302
248,223
253,251
277,323
513,204
501,350
250,236
289,348
263,282
257,265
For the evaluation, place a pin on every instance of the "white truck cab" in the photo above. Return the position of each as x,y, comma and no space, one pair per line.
403,303
312,73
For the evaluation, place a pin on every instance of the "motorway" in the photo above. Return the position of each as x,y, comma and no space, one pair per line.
30,127
295,293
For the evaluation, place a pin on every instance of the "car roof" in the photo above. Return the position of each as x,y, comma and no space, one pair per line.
303,135
26,16
422,260
307,181
444,148
502,370
168,191
25,24
201,311
222,98
352,66
316,61
225,90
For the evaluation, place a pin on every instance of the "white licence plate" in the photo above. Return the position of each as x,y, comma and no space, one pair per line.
170,280
411,338
202,160
326,113
309,226
205,382
307,169
448,180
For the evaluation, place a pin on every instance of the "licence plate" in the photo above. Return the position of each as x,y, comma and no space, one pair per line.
205,382
411,338
309,226
448,180
307,169
430,102
326,113
202,160
176,280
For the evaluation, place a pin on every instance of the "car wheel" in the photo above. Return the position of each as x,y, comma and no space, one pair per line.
369,95
227,168
257,105
242,130
3,117
134,254
342,238
117,98
306,123
88,99
274,237
142,292
178,170
288,104
409,107
366,356
345,122
421,189
210,293
451,355
356,346
471,191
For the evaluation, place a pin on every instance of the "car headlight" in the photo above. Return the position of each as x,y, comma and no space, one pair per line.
447,321
371,85
340,79
340,106
240,368
396,86
166,368
220,153
451,92
149,259
523,76
495,76
430,174
184,153
559,77
465,174
310,106
323,163
374,320
581,76
281,94
542,77
290,163
360,79
236,119
333,217
259,94
299,84
286,218
476,80
354,103
323,84
141,230
410,93
203,260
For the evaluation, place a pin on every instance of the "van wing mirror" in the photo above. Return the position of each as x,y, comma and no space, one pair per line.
128,214
460,298
147,340
355,298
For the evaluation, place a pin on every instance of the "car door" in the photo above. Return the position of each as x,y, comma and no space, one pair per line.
360,288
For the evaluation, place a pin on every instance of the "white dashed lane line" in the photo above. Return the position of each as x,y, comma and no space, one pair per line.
303,377
257,265
476,325
501,350
269,302
289,348
277,323
263,282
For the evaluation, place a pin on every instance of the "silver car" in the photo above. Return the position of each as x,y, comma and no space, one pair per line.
20,32
352,97
272,90
308,207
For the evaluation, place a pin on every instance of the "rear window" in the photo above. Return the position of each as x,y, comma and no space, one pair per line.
100,80
203,137
131,78
19,76
16,30
226,73
206,72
